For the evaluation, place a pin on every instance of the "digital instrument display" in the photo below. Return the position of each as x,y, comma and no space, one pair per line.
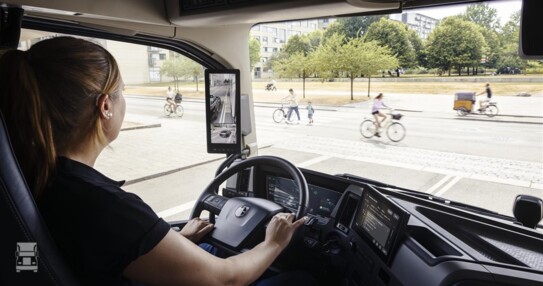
223,111
284,191
380,222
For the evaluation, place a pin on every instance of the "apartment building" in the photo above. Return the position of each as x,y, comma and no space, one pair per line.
421,24
273,36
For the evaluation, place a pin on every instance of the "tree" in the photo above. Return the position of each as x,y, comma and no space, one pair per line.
418,47
483,15
179,66
297,65
191,69
172,67
353,59
394,35
455,42
254,52
305,44
493,48
351,27
296,44
509,38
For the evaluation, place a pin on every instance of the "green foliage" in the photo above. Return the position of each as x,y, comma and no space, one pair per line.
418,47
181,67
304,44
351,59
351,27
394,35
254,52
296,44
455,42
483,15
509,39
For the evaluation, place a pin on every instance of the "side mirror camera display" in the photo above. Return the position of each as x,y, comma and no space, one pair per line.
223,111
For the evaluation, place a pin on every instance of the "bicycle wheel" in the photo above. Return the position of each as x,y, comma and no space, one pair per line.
278,115
462,111
367,128
395,132
179,111
491,110
167,110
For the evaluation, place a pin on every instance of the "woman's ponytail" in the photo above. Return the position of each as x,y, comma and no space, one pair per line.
27,120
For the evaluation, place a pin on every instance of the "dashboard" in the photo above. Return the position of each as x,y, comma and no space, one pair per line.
365,233
283,191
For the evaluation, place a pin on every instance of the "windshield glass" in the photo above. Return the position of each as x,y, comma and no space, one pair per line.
471,110
435,69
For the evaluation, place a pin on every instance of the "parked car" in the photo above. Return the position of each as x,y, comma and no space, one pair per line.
509,70
225,133
215,104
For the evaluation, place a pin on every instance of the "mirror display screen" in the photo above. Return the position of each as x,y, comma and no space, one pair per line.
222,109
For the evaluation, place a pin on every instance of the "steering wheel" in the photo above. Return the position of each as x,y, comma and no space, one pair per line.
242,217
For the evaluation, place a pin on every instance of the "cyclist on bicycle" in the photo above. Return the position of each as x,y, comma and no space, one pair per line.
169,98
484,102
378,104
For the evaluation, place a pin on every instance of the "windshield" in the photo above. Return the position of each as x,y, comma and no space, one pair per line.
471,110
460,114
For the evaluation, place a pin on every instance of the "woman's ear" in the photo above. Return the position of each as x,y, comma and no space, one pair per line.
104,106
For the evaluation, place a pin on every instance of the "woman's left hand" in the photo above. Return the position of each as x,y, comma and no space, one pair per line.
195,229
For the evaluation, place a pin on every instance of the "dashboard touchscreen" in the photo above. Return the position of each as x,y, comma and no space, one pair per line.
380,222
284,191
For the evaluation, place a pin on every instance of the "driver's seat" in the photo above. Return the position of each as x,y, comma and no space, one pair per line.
20,221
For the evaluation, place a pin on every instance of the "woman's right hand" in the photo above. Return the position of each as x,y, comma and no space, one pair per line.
281,228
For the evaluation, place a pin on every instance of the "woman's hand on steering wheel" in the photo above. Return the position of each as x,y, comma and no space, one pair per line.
281,228
195,229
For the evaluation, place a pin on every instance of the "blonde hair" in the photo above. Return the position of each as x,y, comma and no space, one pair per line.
48,97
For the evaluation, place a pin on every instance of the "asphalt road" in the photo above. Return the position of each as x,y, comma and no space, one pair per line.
477,161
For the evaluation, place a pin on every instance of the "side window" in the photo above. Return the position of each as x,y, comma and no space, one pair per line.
158,151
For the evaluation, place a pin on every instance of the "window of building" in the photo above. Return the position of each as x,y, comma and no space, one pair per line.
265,39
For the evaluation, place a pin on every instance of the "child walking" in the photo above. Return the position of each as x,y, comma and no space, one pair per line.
310,111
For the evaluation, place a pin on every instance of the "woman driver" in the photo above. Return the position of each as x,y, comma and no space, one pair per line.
63,104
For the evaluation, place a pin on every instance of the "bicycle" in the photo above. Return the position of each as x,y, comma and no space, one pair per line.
280,114
271,87
490,109
179,111
395,130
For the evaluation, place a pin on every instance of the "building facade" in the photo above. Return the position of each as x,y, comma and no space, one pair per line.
421,24
273,36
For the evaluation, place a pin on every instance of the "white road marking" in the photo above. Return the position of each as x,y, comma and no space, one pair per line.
438,184
313,161
180,208
448,186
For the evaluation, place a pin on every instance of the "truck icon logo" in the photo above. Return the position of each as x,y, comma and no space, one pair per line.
26,256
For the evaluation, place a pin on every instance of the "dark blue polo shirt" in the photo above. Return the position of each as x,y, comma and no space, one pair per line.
98,227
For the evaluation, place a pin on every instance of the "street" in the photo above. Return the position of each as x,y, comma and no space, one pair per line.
470,159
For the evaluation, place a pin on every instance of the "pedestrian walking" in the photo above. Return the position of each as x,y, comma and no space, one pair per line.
310,112
293,105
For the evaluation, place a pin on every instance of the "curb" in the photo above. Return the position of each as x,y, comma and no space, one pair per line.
140,126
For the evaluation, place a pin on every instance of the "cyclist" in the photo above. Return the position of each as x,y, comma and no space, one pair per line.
484,102
169,98
378,104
